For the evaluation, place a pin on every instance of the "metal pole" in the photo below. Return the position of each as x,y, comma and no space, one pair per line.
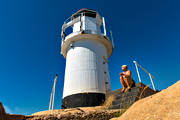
50,100
152,82
104,26
144,69
81,21
54,93
137,71
112,38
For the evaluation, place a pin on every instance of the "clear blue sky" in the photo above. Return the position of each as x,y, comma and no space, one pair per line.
144,30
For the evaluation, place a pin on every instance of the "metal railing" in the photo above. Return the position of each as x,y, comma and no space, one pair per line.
51,102
67,28
150,76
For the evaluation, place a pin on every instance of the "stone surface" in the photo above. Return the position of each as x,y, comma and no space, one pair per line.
164,105
125,100
5,116
84,113
121,102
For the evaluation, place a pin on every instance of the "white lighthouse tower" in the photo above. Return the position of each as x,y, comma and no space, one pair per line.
86,48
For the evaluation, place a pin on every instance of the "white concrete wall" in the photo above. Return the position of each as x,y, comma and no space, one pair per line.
85,69
107,77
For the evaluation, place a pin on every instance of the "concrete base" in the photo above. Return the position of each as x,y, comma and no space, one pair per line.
83,100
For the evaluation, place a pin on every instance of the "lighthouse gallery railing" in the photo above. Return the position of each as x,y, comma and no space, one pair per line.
68,30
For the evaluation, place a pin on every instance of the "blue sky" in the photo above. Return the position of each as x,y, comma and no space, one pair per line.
145,31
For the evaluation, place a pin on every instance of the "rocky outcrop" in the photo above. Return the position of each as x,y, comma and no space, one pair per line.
2,112
164,105
125,100
84,113
5,116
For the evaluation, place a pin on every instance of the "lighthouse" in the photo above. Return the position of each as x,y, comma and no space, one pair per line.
86,47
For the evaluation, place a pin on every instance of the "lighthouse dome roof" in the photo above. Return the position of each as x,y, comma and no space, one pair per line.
86,12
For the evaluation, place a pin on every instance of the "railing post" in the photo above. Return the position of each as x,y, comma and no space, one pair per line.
137,71
51,102
112,38
104,26
81,24
152,82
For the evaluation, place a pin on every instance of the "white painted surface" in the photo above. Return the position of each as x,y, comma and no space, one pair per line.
152,82
85,69
76,26
107,78
137,71
104,26
88,23
77,36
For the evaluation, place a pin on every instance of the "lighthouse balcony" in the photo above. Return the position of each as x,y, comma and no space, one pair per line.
73,27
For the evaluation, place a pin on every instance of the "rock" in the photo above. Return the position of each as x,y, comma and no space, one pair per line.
5,116
116,107
2,112
125,100
83,113
164,105
14,117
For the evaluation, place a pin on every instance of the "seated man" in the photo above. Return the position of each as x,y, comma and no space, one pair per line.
126,79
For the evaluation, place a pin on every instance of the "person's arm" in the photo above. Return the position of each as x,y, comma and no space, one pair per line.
121,74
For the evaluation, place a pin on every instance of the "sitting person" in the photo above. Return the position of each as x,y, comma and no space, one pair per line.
126,79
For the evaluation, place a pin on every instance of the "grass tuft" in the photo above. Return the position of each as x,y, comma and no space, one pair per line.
108,102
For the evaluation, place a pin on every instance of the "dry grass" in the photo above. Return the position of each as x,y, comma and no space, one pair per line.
120,113
143,91
108,102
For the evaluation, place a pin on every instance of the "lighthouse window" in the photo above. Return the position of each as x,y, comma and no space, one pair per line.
68,31
90,14
76,15
84,13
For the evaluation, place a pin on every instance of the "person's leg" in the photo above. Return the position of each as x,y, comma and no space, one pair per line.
128,83
122,83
